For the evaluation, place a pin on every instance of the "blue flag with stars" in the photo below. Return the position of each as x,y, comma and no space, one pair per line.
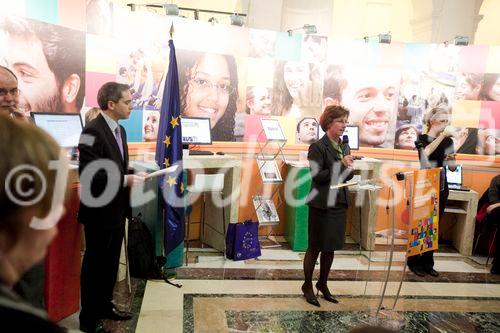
168,153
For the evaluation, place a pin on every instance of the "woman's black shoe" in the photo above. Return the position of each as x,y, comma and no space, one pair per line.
326,293
309,295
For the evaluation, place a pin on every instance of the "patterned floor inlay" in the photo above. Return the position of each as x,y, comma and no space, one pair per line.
187,273
290,313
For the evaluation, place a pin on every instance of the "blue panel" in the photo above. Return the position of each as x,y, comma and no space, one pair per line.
46,10
288,47
133,126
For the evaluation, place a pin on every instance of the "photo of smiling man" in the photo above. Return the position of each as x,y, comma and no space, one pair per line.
371,96
49,62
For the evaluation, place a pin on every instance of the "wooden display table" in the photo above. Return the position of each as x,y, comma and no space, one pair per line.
231,167
461,208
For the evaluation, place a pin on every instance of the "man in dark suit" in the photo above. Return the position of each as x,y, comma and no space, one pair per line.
104,205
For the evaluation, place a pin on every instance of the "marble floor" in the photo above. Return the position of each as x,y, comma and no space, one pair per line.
264,295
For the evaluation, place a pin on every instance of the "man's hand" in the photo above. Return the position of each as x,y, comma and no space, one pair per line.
136,179
348,161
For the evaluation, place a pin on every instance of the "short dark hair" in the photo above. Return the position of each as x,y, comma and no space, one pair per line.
110,91
301,120
8,70
331,113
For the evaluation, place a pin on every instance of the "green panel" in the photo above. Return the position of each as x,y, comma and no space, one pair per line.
174,259
297,217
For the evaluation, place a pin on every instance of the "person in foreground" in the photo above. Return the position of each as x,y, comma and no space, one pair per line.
437,152
330,165
26,228
493,212
104,223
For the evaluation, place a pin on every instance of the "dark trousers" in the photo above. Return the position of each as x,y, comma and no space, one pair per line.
425,261
99,270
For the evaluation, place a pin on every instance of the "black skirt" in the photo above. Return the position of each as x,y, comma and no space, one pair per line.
326,228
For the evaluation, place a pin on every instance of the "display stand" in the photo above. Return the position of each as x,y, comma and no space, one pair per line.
270,160
423,221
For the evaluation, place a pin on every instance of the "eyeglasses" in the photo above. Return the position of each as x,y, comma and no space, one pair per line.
205,85
14,92
345,122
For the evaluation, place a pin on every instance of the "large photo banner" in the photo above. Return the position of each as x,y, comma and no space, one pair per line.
424,212
235,75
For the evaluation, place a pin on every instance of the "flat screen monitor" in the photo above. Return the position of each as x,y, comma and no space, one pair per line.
196,131
65,128
353,133
454,177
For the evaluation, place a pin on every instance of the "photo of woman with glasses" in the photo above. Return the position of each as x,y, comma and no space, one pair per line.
209,89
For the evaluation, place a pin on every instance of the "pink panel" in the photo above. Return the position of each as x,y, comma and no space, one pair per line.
490,115
473,58
94,81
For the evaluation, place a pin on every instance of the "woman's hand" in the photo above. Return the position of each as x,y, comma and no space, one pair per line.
348,161
448,131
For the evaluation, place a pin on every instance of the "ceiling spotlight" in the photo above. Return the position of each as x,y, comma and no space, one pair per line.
237,20
380,38
171,9
461,40
384,38
308,29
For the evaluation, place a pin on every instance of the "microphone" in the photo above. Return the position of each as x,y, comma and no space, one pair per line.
424,162
345,145
346,149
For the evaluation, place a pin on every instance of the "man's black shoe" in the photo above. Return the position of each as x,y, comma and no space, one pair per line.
93,327
432,272
495,269
417,271
114,314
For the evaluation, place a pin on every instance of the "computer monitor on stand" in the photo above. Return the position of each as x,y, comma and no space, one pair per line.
196,131
65,128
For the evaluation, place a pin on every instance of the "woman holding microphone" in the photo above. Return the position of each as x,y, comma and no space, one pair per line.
330,165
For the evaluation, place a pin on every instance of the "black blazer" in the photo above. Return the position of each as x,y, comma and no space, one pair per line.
105,147
326,169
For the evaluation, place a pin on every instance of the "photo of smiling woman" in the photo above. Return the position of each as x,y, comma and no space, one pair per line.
293,90
151,120
208,85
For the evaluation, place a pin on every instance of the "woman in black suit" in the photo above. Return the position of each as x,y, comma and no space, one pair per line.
330,165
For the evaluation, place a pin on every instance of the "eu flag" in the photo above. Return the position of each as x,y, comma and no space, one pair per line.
169,152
